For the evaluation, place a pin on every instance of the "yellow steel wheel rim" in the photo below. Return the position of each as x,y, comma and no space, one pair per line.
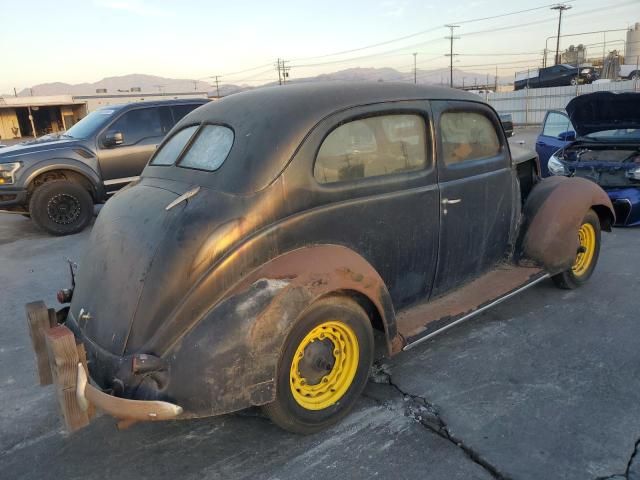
587,239
335,383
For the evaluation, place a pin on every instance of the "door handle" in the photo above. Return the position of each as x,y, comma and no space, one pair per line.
452,201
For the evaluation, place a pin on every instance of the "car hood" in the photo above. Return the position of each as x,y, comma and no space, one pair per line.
600,111
10,153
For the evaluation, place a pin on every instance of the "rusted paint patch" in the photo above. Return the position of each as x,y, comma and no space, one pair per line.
464,300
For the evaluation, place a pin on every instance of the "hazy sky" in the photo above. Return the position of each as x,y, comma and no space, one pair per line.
83,41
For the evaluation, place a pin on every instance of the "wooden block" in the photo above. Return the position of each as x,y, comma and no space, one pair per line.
38,321
53,318
82,355
63,358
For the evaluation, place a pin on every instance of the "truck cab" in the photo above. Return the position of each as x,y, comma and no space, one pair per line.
56,179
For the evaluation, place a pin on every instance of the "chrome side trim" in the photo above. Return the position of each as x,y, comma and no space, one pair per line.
476,312
115,181
185,196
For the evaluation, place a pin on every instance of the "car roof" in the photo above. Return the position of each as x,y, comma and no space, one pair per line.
156,103
270,123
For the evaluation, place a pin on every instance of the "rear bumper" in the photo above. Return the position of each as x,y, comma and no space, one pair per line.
61,358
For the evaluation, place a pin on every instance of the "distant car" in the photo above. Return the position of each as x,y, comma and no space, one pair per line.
607,149
629,72
557,132
58,178
272,233
555,76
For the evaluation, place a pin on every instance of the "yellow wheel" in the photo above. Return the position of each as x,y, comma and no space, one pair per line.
324,366
586,255
586,249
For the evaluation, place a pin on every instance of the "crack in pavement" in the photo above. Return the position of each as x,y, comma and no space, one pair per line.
427,414
627,472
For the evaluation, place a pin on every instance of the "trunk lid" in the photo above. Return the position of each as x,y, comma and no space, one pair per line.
124,242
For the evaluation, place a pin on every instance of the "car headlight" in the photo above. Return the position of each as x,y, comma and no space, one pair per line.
7,172
634,173
555,166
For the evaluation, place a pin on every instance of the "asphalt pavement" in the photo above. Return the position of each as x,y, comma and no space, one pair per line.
544,386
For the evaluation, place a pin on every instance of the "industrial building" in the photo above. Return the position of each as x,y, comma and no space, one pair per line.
40,115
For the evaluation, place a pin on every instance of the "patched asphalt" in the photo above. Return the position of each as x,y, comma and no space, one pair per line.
544,386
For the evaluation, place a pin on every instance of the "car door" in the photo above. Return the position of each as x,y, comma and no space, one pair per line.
476,192
372,188
547,143
142,130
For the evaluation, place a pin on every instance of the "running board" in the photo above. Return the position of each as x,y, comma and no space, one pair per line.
452,322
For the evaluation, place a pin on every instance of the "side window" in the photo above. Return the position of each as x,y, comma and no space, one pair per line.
179,111
138,125
555,124
467,136
371,147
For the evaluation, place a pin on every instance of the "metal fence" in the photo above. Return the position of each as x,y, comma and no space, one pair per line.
528,106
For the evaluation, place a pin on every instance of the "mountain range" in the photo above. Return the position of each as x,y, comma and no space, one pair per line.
154,84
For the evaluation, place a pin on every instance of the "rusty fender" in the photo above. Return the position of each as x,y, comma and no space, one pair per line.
228,361
552,215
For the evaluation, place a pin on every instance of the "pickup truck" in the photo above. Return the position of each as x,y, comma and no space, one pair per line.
274,231
555,76
57,179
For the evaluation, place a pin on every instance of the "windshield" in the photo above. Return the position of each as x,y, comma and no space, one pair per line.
624,135
86,127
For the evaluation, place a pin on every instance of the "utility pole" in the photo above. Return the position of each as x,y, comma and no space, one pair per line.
279,74
561,8
216,79
283,71
415,69
451,38
496,86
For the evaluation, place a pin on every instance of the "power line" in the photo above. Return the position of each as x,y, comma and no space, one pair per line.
423,32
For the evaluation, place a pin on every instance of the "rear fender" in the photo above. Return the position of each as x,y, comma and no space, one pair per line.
552,216
228,361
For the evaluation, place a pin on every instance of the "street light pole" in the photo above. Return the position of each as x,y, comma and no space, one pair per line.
415,70
561,8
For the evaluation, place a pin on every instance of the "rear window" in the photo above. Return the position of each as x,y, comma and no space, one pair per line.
207,147
168,154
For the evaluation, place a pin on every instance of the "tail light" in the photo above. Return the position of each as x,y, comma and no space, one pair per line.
64,295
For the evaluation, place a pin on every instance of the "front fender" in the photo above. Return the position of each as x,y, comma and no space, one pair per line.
552,216
228,361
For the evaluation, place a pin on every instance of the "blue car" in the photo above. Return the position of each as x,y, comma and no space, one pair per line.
557,132
601,142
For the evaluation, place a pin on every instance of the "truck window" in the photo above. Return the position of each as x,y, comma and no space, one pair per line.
467,136
372,147
179,111
137,125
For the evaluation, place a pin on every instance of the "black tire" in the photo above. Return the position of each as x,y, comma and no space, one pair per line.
286,411
60,207
574,82
569,279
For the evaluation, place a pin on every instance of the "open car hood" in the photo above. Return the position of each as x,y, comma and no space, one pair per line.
600,111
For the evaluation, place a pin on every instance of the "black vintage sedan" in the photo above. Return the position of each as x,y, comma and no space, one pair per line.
275,231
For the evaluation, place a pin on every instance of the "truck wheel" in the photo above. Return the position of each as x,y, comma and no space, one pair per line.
587,256
574,82
61,207
324,366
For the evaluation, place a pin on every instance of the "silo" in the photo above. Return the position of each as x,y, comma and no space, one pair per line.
632,51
